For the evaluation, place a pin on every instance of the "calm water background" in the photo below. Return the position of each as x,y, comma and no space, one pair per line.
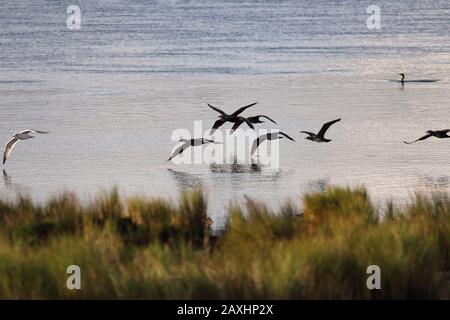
112,93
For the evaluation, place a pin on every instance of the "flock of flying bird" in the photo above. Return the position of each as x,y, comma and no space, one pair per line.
237,121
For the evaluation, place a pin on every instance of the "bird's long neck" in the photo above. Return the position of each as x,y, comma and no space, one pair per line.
403,78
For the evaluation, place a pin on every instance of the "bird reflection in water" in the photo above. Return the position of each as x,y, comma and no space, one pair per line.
13,187
235,167
318,185
437,187
186,180
435,183
7,180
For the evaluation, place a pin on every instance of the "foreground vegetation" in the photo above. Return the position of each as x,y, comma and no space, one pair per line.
154,248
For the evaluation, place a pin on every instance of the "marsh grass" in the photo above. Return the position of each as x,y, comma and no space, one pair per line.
155,248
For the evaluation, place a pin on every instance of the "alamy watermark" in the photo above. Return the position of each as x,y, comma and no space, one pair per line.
73,21
374,280
74,280
373,22
248,146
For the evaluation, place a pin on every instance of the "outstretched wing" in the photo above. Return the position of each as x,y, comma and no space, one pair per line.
308,133
179,150
258,141
241,121
34,131
326,126
217,124
249,123
421,138
236,125
284,134
240,110
263,116
211,141
216,109
8,148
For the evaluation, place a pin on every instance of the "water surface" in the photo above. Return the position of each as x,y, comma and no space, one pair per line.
112,93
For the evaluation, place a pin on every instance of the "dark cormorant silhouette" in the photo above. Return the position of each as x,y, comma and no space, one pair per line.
441,134
268,136
254,119
234,117
189,143
257,119
402,80
320,137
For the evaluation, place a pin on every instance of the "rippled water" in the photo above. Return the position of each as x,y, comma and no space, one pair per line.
112,93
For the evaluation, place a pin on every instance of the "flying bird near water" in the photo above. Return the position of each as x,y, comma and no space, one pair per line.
254,119
23,135
189,143
268,136
320,137
441,134
234,117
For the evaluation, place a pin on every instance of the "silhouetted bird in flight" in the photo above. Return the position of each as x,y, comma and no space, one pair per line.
268,136
23,135
442,134
234,117
254,119
320,137
189,143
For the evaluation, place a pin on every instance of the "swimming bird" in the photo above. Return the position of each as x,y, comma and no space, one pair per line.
234,117
254,119
268,136
441,134
320,137
189,143
402,80
23,135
